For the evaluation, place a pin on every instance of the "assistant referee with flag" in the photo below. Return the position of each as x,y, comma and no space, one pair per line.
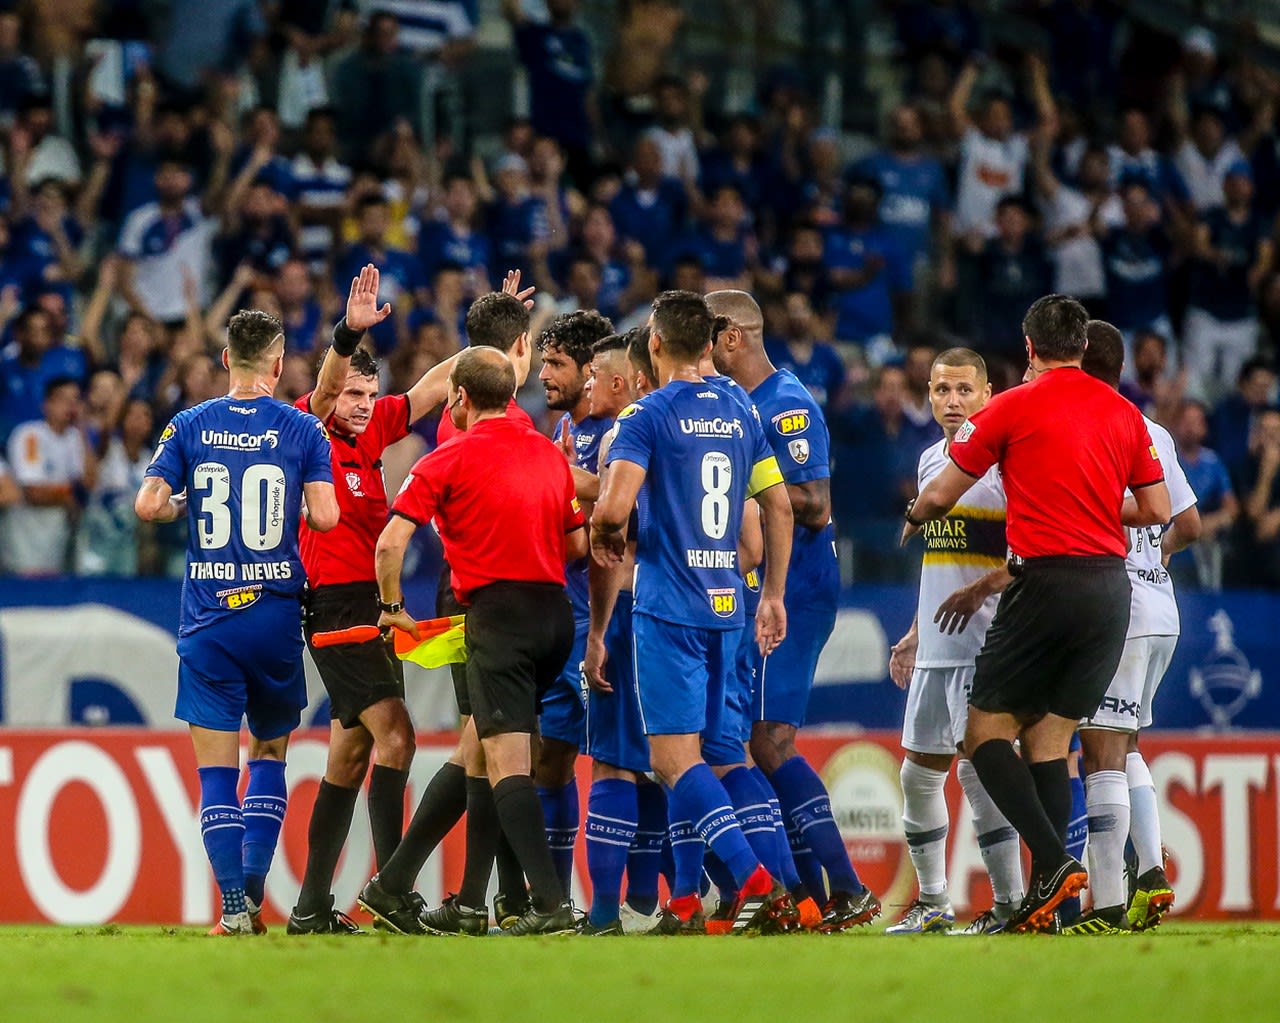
503,499
1068,446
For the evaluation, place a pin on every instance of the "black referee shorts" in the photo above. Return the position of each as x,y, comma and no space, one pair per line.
447,604
355,675
518,638
1056,639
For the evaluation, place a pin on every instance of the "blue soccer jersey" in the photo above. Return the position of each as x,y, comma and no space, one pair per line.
243,465
797,432
704,456
585,437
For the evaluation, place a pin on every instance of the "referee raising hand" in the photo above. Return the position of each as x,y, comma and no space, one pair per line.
1067,446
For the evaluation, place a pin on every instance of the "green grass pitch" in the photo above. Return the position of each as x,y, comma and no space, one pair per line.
1185,971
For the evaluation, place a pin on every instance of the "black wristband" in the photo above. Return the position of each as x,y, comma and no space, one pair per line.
918,523
393,608
345,340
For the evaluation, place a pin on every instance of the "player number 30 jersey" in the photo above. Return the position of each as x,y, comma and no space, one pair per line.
243,465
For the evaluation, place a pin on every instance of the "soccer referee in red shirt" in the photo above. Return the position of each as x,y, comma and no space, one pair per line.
1067,446
364,681
503,499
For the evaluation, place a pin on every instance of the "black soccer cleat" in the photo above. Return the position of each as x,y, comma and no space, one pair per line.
452,918
1046,892
507,909
845,910
559,921
326,921
589,930
399,914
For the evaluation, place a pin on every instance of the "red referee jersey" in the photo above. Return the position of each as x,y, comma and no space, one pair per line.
345,553
447,431
1068,446
503,500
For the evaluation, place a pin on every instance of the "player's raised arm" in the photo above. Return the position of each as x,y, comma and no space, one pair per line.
362,313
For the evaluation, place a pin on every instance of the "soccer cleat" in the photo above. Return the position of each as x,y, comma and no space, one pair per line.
399,914
810,914
452,918
844,911
589,930
635,922
1106,921
507,909
681,916
925,918
232,925
255,916
1152,899
720,921
559,921
328,921
755,903
1046,892
983,924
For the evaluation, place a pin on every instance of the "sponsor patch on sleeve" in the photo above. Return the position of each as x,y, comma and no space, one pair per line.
630,410
791,422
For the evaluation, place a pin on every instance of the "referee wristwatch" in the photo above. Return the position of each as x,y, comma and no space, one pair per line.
918,523
392,608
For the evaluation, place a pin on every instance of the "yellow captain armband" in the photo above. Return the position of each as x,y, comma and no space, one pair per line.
764,474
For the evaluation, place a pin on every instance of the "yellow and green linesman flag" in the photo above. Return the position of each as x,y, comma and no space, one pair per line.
443,642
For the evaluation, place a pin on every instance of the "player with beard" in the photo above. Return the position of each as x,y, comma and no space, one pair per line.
566,347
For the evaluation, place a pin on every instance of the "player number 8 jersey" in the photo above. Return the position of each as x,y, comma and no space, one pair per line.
703,456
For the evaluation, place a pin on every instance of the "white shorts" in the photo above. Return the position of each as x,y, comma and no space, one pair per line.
937,709
1127,705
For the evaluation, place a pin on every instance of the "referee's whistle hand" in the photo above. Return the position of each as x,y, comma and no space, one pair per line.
400,620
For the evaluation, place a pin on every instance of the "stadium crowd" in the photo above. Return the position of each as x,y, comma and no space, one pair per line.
160,173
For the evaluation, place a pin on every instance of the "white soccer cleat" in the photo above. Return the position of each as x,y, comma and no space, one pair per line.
635,922
232,925
925,918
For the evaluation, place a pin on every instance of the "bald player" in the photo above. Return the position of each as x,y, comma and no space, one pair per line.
797,433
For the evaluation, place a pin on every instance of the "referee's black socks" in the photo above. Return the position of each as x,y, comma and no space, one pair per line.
1010,783
386,810
523,823
326,835
1053,786
441,807
482,842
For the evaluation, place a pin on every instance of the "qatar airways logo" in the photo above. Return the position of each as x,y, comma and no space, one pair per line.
240,441
717,427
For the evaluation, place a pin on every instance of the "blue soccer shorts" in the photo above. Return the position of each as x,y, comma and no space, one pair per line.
563,712
682,674
725,747
615,733
247,665
785,678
